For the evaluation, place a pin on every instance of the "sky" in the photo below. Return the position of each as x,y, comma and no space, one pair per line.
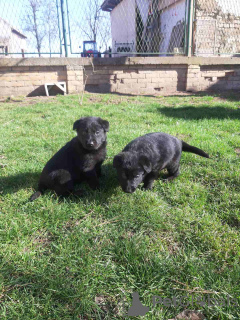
13,12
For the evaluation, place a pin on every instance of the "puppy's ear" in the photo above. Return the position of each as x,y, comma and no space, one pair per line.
118,160
76,124
104,124
145,163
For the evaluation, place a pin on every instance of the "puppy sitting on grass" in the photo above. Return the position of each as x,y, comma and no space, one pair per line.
143,158
80,159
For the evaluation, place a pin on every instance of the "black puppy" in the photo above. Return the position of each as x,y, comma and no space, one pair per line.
80,159
143,158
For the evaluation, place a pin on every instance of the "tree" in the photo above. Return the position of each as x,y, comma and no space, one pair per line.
51,22
34,23
96,24
40,20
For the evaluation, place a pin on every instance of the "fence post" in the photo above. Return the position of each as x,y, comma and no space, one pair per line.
64,28
190,28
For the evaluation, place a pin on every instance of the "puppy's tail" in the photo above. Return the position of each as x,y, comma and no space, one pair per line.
35,196
187,148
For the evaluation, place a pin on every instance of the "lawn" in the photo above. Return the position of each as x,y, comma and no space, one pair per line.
82,258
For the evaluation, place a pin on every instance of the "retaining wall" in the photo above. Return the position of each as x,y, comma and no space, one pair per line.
143,75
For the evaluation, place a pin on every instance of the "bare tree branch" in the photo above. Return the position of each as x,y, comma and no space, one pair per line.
96,24
40,20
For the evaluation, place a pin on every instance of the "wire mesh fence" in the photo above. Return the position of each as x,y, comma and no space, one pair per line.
113,28
91,27
29,27
147,26
217,27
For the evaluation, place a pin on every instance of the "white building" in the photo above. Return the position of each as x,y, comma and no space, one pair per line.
11,40
160,26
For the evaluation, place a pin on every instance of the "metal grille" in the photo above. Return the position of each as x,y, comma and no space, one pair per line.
115,28
87,22
150,27
92,27
217,27
29,27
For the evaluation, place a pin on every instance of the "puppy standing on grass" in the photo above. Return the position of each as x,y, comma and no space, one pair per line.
80,159
143,158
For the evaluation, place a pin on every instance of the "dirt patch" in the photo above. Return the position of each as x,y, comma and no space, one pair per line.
183,136
95,98
43,240
189,315
23,101
103,303
237,150
167,242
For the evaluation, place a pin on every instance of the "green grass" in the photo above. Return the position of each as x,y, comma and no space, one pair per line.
58,258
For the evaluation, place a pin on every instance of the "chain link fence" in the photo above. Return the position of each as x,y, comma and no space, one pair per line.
113,28
149,27
29,27
217,27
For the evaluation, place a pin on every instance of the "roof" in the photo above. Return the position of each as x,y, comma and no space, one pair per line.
14,30
109,5
18,33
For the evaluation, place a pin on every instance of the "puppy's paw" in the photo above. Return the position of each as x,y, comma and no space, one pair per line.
148,186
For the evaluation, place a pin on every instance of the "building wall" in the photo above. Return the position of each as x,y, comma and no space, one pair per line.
143,8
4,35
155,76
123,20
170,17
17,43
12,40
217,27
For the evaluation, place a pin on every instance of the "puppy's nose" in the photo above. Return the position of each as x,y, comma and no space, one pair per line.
90,144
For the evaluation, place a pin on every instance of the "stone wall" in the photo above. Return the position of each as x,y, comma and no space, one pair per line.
213,78
149,75
217,28
27,76
139,79
28,80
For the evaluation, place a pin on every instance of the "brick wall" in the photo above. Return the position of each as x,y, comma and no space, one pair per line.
29,80
142,79
217,27
155,75
26,80
213,78
74,78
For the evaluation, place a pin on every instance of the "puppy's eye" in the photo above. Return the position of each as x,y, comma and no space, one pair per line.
97,132
137,176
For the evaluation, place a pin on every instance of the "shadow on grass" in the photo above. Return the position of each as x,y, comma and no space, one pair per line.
202,112
12,184
54,287
108,183
231,96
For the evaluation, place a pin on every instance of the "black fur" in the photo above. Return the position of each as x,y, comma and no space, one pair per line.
80,159
143,158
